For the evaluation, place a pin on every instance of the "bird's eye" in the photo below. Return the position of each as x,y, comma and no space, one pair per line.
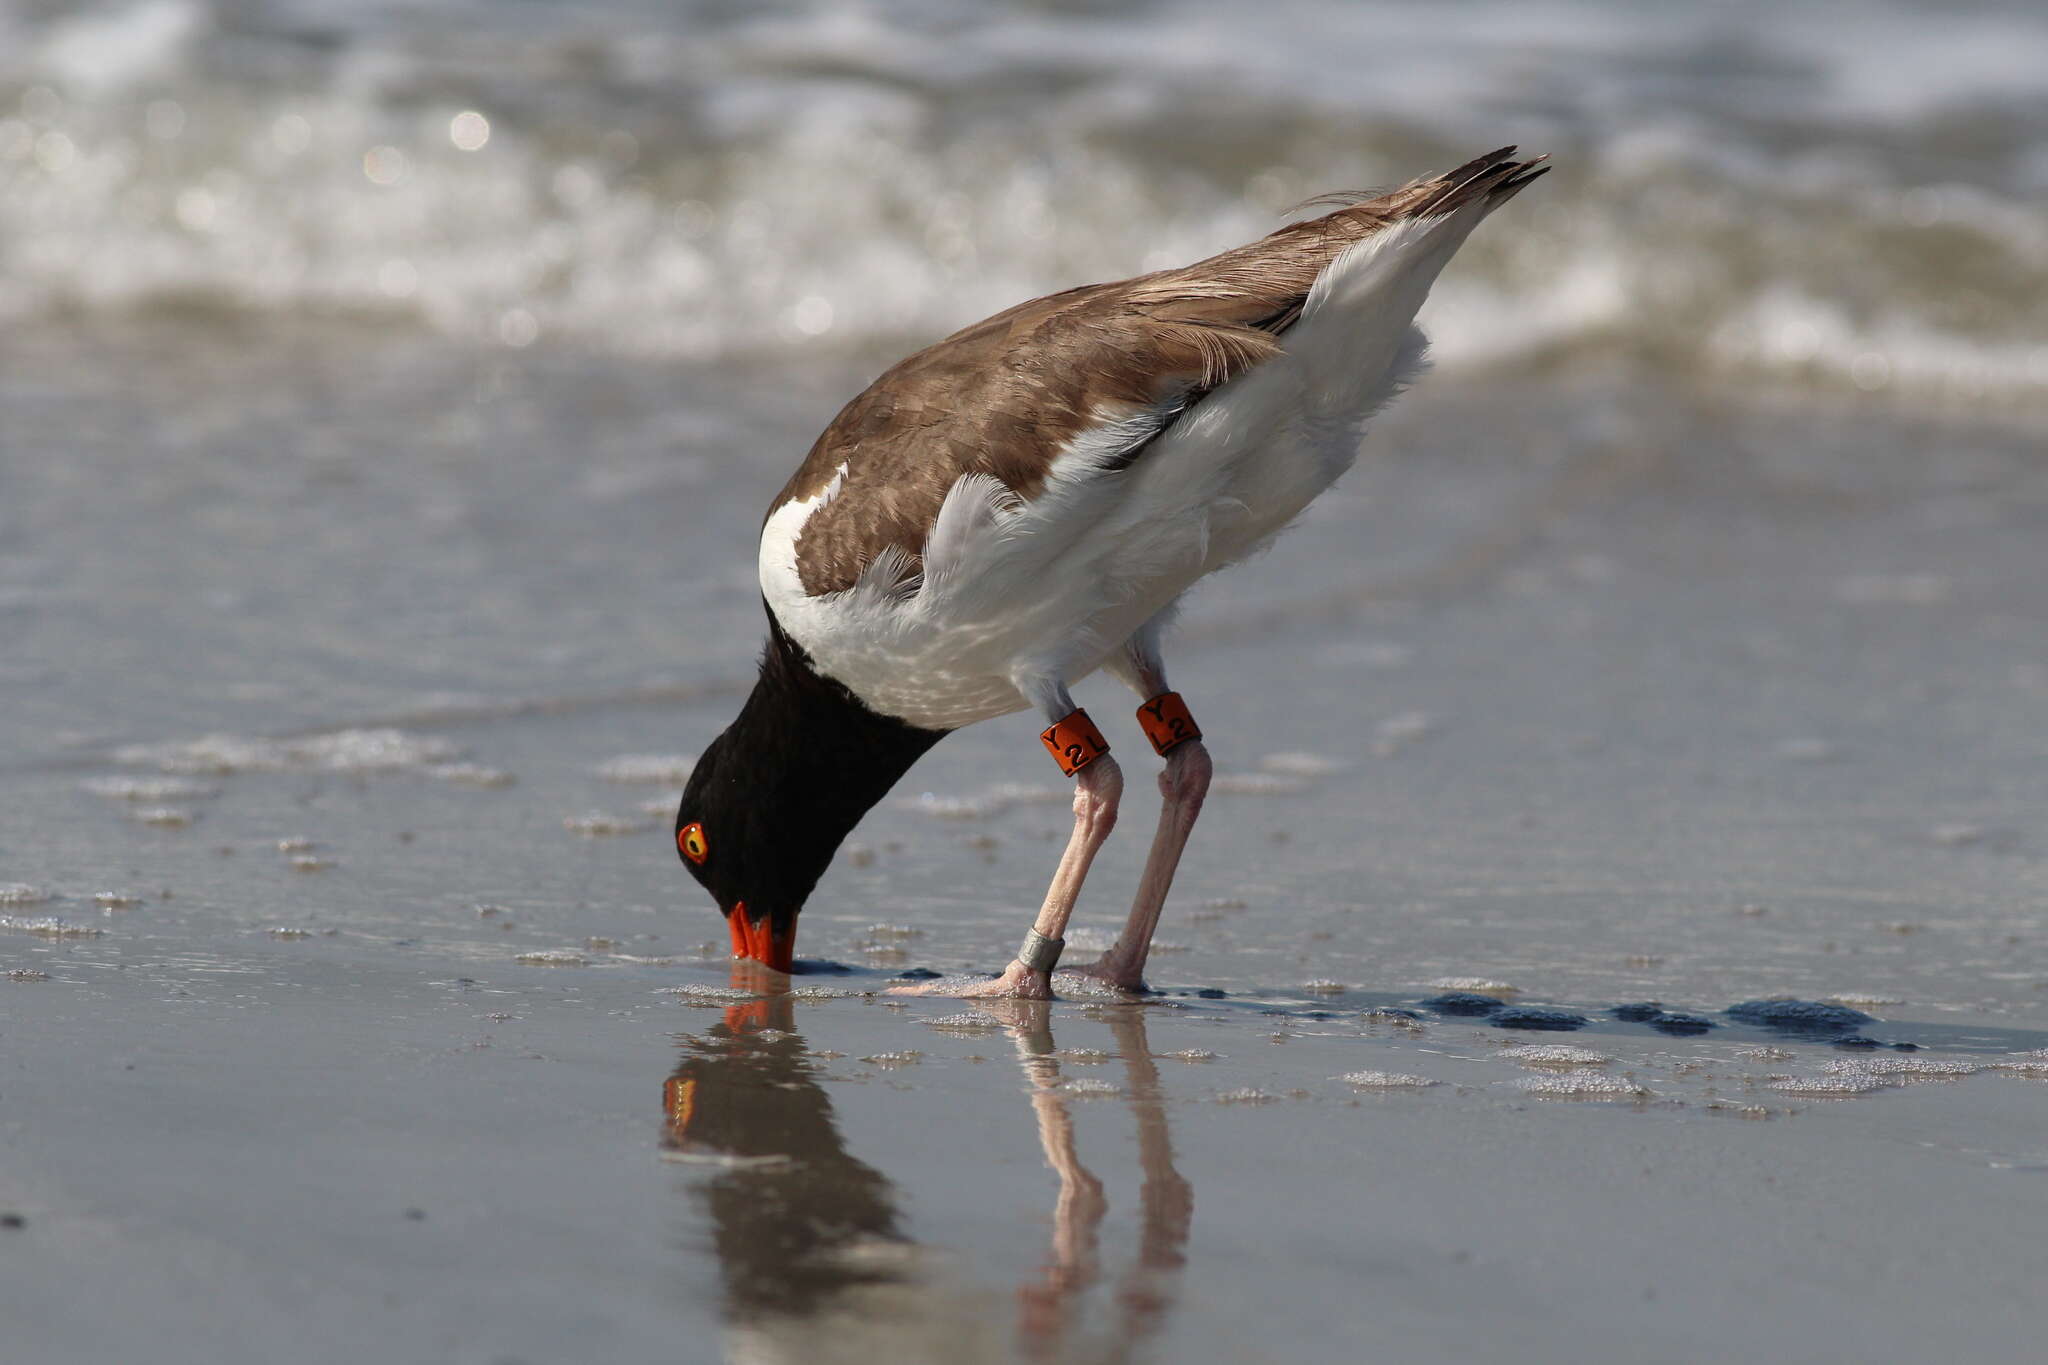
690,839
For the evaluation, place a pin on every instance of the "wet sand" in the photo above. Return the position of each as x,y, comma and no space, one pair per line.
403,1036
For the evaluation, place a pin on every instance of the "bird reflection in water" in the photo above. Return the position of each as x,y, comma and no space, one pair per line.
797,1220
802,1228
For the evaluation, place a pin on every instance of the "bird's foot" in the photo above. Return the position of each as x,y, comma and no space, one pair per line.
1019,982
1115,971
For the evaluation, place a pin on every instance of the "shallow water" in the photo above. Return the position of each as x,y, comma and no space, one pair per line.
376,543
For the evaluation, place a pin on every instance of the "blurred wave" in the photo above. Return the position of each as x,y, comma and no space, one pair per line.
1850,197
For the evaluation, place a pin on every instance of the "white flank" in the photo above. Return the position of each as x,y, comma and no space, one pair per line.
1018,599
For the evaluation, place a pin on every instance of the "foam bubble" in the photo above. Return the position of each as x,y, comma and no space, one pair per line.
597,824
1479,985
22,893
1555,1055
48,927
347,751
153,789
1582,1085
2024,1064
668,770
1900,1066
1834,1086
969,1021
701,993
552,957
1385,1080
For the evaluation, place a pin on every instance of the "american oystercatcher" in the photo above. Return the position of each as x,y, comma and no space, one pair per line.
1022,504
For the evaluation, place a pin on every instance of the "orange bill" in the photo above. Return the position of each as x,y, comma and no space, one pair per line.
1073,741
759,940
1167,723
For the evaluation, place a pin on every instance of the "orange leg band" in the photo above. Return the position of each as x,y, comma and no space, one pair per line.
1167,723
1073,741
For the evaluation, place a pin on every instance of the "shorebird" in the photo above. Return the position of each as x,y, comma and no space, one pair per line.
1022,504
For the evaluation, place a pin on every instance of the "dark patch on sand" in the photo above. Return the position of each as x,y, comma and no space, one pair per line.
1536,1017
1805,1017
1462,1004
1654,1014
1859,1043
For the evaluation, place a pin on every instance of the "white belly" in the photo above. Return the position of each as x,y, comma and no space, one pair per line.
1051,588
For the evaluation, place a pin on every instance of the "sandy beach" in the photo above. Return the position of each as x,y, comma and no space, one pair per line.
400,1037
388,404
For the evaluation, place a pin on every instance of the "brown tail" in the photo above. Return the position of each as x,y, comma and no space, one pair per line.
1497,176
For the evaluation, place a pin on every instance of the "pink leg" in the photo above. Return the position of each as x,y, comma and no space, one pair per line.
1097,790
1182,788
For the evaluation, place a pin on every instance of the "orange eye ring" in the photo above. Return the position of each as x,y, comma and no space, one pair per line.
692,843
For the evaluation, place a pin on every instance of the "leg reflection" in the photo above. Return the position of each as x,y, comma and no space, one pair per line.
1050,1305
812,1257
1165,1199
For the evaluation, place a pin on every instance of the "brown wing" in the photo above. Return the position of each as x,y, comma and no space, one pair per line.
1004,396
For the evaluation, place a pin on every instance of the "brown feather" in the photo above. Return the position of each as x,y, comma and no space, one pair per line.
1004,396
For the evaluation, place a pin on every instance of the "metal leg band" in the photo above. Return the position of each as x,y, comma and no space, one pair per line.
1040,953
